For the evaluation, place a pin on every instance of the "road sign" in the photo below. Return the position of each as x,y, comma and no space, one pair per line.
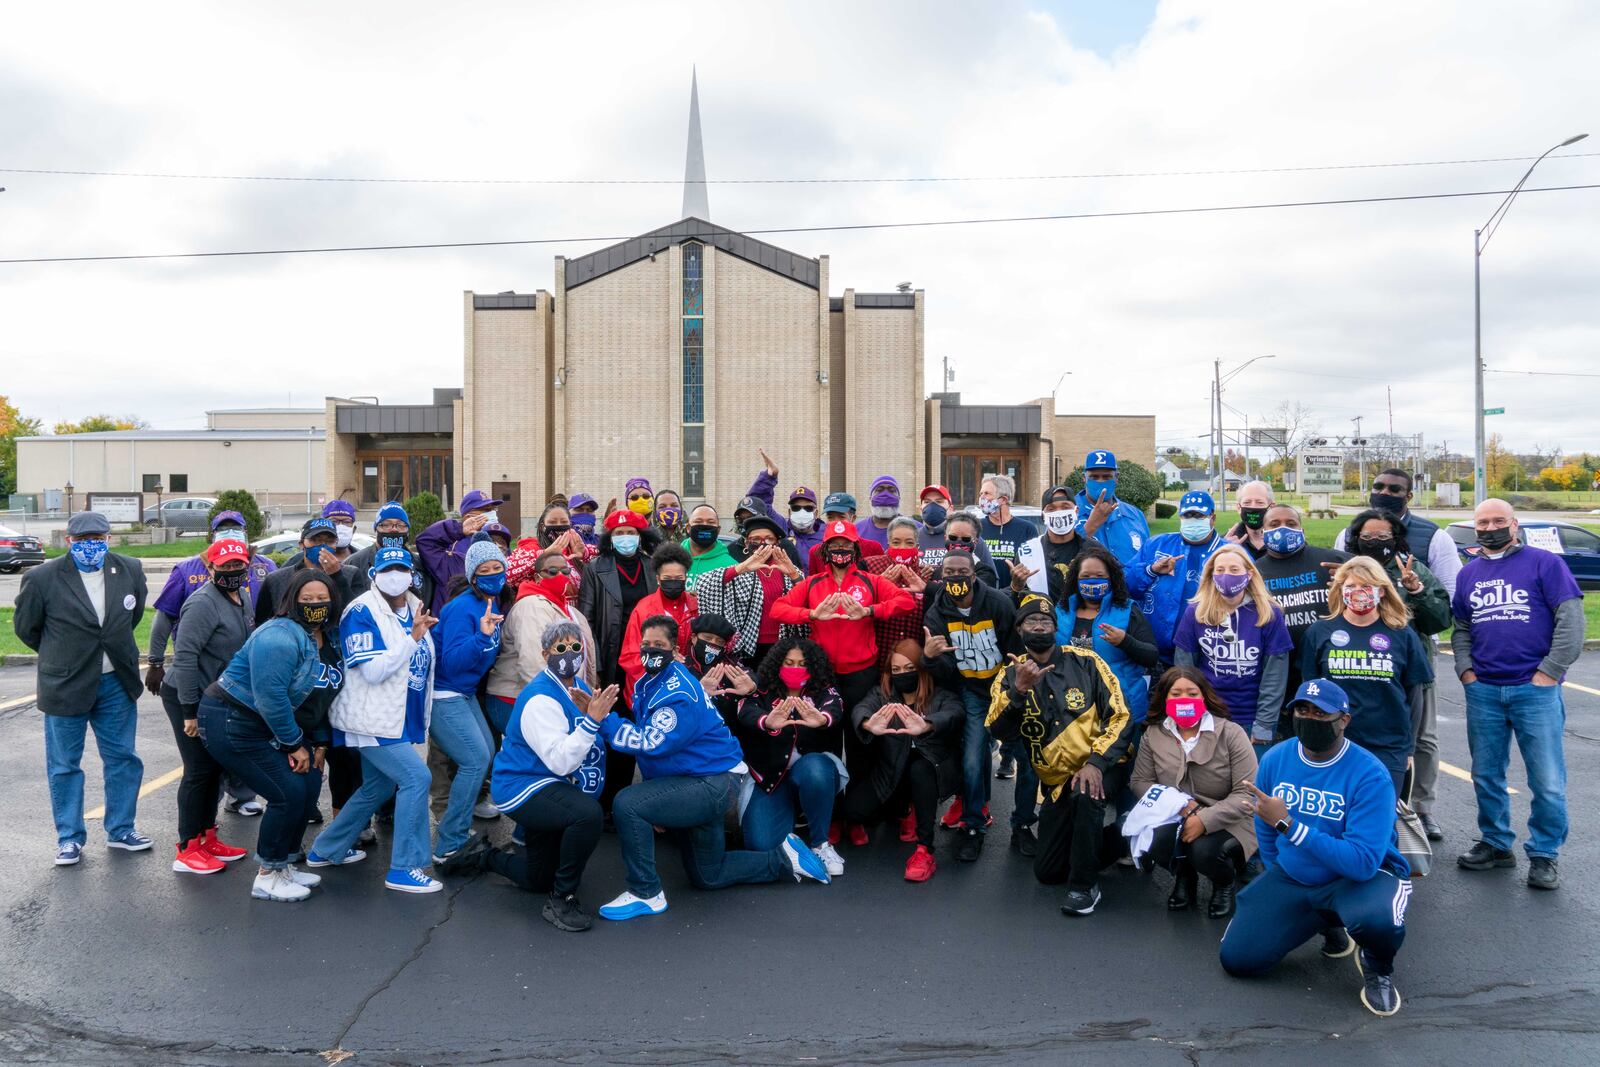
1494,411
118,507
1320,471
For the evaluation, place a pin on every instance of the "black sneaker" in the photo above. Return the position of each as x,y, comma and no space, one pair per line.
1336,943
1482,856
1430,826
1081,901
563,913
468,859
971,844
1007,768
1542,873
316,817
1378,993
1024,843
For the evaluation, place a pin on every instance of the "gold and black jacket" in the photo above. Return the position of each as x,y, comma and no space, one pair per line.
1073,715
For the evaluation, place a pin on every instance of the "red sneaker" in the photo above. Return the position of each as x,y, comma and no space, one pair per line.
921,865
833,832
952,818
908,827
193,859
858,835
988,820
226,853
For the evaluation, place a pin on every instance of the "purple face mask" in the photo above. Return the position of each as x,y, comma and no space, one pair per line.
886,496
1230,585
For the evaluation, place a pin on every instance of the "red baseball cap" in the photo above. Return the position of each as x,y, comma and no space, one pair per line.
220,552
841,528
624,517
941,490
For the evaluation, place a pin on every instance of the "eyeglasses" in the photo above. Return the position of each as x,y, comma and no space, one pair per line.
760,542
565,647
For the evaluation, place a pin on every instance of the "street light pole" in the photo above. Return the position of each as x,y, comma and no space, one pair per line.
1222,459
1480,241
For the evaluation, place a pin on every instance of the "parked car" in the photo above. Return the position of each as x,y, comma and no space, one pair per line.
1579,547
18,550
288,543
180,513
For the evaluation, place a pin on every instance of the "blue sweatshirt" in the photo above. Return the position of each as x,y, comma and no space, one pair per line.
1343,815
465,652
679,731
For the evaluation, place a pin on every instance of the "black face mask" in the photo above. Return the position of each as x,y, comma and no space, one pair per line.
957,588
1253,517
311,616
229,581
904,684
706,653
1038,640
704,536
1387,502
1380,549
672,588
391,540
1495,540
654,660
842,558
1316,735
548,534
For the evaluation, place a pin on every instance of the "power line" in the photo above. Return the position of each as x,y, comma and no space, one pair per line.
915,179
1543,373
1147,212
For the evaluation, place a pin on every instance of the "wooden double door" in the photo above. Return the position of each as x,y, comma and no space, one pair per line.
965,469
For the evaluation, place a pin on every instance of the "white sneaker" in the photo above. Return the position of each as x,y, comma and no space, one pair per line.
830,858
278,885
305,878
248,809
485,809
627,906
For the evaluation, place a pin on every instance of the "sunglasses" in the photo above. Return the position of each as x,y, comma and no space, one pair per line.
548,573
1392,488
960,541
564,647
639,496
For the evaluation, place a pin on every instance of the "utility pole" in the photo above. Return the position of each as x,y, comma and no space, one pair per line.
1216,416
1361,455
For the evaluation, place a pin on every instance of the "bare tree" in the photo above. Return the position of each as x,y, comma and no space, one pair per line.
1299,423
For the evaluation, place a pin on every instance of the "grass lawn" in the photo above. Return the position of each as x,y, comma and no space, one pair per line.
180,549
10,644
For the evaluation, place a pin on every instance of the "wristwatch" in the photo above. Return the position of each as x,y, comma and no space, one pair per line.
1283,825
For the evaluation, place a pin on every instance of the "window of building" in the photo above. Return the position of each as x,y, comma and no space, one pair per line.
152,483
177,483
694,381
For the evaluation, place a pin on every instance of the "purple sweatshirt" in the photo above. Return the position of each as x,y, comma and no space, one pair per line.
443,548
191,575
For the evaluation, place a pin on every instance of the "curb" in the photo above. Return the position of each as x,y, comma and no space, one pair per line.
31,659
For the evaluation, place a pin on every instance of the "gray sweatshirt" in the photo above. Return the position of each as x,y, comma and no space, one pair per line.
211,629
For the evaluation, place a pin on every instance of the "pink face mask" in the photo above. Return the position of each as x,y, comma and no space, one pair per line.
1361,599
1186,711
794,677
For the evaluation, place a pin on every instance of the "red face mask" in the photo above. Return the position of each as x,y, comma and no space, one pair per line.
794,677
559,586
909,556
1186,711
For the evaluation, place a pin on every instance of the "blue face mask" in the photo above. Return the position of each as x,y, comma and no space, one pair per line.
314,554
626,545
490,584
934,515
1284,540
1097,491
1095,589
89,555
1194,531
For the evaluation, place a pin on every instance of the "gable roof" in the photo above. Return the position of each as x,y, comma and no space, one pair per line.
806,271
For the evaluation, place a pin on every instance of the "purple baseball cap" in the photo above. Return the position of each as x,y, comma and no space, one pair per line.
341,508
802,493
228,516
578,500
477,500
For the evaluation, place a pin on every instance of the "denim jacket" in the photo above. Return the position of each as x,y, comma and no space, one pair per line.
272,675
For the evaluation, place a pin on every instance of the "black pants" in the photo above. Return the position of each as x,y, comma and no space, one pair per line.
853,689
290,797
1072,834
344,773
201,786
1217,855
563,828
919,787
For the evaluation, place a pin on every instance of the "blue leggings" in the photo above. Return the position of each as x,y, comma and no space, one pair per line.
1277,915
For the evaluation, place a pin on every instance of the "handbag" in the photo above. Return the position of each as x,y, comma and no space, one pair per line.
1411,841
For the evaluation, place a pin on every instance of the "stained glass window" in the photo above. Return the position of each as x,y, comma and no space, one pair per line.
694,372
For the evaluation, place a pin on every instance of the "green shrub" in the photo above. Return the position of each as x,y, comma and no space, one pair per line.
1135,484
1165,509
423,510
242,501
1543,504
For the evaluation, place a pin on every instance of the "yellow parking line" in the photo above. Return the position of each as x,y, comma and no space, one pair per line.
1569,685
19,702
149,787
1466,776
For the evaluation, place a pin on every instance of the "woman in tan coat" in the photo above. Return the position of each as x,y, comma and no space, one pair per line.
1190,744
542,599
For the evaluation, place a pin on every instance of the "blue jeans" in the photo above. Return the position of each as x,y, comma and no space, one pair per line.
114,718
975,760
386,770
244,746
459,729
769,817
1025,800
691,810
1536,715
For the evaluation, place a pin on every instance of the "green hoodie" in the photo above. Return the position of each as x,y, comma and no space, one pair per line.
714,559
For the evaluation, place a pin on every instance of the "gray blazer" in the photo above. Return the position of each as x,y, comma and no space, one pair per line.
56,620
213,629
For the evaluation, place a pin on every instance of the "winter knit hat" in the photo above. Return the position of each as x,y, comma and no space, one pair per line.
637,483
481,552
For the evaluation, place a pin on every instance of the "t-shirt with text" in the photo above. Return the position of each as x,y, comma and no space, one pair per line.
1511,604
1232,653
1376,666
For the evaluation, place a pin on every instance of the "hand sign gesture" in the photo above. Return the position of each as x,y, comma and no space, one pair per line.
738,681
772,468
1408,577
825,610
1165,565
852,608
934,645
913,724
1271,809
779,717
881,722
1019,577
421,624
1028,672
1112,634
600,705
809,715
490,620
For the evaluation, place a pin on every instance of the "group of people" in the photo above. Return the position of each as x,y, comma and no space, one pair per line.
1226,702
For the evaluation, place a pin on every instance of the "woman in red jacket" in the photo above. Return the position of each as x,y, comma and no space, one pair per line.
671,564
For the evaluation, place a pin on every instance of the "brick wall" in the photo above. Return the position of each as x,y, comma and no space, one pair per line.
1131,437
507,376
884,428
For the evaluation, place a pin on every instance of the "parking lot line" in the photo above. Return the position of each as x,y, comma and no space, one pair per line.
1466,776
148,788
19,702
1569,685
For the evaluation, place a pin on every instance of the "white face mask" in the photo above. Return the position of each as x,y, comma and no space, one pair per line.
232,533
490,518
393,581
802,519
1061,522
342,535
884,512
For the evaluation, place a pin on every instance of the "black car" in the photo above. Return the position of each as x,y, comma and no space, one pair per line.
18,550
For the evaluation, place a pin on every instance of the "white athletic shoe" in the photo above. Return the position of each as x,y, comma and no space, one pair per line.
278,885
305,878
485,809
830,858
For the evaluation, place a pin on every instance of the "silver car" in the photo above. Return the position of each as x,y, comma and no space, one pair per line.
180,513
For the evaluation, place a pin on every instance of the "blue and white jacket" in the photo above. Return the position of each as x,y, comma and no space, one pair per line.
1134,679
1162,596
1342,812
679,731
1125,532
548,739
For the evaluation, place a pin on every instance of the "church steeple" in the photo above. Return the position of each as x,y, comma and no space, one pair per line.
696,204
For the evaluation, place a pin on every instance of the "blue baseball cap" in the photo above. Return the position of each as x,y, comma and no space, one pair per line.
390,556
1322,695
1099,460
393,510
842,503
1197,500
228,516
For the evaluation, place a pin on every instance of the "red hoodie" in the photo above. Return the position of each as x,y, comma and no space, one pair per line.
682,611
850,643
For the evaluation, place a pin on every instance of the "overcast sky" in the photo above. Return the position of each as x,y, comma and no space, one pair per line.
1350,299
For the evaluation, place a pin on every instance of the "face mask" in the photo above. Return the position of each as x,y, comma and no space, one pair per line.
802,519
934,515
1038,640
905,684
314,554
342,535
908,556
490,518
641,505
558,586
958,588
1097,491
1094,589
548,534
565,664
1360,599
794,677
704,536
1194,531
885,512
1284,540
228,581
1186,712
232,533
89,555
672,588
654,660
1230,585
392,540
842,558
989,507
393,581
1491,540
1387,502
1316,735
1380,549
706,653
1253,517
311,615
669,517
1061,522
625,544
490,584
